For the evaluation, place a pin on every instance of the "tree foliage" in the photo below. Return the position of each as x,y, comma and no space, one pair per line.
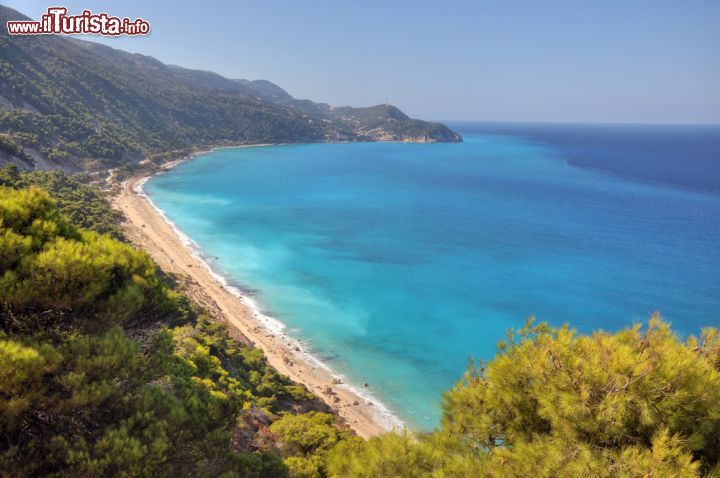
83,205
305,441
79,396
554,403
59,275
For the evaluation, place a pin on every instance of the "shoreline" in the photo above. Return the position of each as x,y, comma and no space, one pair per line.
148,227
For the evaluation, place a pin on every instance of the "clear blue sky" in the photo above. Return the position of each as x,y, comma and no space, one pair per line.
551,60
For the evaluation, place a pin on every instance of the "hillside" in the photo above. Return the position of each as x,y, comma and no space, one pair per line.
76,105
375,123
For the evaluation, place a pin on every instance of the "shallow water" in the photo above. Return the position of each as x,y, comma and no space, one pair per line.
397,262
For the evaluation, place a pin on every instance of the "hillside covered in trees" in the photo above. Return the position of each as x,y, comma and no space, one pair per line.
107,369
76,105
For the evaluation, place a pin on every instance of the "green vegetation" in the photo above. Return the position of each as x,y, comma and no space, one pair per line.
92,383
11,149
105,370
52,270
87,106
380,121
83,205
305,441
552,403
210,354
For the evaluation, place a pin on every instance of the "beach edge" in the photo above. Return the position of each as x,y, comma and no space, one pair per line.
147,227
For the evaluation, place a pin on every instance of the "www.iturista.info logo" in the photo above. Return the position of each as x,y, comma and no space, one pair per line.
57,22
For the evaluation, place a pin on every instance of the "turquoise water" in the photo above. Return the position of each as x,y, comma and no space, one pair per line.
397,262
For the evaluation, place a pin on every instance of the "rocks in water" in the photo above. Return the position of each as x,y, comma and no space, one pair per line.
370,404
366,384
336,381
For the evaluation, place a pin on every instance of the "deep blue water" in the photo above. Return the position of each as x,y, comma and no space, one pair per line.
400,261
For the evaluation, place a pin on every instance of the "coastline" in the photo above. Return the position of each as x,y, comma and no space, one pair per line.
148,227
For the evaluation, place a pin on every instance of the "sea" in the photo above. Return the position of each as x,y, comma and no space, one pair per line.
398,264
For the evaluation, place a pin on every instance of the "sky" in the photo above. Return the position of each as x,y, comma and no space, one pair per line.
653,61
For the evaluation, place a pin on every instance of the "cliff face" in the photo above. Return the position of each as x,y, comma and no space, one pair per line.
76,105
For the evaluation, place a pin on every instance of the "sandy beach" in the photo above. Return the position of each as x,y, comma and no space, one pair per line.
149,230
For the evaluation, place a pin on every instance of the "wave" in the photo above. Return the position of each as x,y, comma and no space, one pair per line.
382,412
